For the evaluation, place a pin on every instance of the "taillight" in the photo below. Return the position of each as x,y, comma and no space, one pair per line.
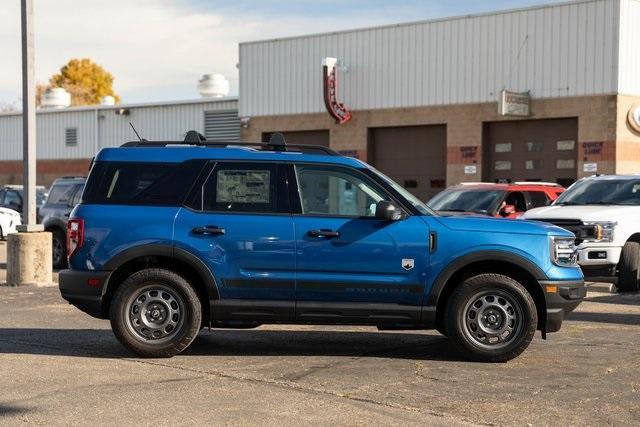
75,235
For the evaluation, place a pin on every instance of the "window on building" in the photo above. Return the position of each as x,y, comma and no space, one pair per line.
71,136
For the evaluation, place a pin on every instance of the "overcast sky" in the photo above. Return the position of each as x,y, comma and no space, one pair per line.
158,49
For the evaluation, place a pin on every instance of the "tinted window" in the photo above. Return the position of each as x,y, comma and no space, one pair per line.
602,192
140,183
336,192
60,194
538,199
466,200
77,195
12,198
241,187
517,199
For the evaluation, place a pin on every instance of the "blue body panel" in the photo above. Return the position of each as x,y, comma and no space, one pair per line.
363,264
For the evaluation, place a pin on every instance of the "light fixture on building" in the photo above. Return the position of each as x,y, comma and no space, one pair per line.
634,117
122,112
244,122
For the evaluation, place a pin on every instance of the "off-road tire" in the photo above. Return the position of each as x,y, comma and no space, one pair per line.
629,268
190,309
481,286
61,262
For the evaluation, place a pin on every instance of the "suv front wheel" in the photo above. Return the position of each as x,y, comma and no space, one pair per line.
491,318
156,313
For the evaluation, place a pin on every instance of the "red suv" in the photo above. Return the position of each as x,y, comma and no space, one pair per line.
499,200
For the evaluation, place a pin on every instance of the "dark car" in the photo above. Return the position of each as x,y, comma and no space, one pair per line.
11,197
64,194
171,237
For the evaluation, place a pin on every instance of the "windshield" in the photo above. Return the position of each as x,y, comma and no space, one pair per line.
466,200
602,192
413,200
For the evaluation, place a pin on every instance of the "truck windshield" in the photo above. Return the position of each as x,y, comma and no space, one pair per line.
466,200
602,192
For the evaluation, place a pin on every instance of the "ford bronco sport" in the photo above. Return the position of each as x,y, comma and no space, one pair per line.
173,237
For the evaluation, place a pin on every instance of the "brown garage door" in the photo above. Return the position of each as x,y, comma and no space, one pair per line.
413,156
531,150
305,137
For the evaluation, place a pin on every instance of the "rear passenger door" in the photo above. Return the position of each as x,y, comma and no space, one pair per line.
237,221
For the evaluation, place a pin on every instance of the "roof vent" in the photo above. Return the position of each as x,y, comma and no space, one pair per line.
56,97
213,86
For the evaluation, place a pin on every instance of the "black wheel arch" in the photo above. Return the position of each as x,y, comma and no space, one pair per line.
160,256
489,261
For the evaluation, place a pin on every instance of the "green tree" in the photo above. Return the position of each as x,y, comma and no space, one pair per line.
86,81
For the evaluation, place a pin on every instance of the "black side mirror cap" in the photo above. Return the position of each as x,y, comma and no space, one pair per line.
387,211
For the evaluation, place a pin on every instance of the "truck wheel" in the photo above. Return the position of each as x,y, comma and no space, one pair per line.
491,318
629,274
58,249
155,313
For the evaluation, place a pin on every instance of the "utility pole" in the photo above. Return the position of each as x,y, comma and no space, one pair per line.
28,251
28,121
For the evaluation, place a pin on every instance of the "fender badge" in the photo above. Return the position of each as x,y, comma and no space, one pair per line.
407,263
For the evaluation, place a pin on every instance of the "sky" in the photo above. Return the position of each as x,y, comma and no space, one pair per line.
158,49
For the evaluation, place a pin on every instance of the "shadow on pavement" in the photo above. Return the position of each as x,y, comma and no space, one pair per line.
7,410
618,318
101,343
631,298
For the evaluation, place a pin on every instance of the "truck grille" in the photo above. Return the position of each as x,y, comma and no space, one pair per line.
575,226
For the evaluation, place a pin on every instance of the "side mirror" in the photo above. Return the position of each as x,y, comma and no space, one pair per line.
387,211
508,210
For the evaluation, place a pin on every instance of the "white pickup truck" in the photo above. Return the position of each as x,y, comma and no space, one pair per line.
604,214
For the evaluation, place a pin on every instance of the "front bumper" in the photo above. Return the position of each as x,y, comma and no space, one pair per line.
568,295
85,290
596,255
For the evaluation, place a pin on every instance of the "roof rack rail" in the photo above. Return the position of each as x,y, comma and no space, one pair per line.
550,184
276,143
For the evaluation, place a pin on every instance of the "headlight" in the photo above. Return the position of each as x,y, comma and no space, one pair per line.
563,251
602,231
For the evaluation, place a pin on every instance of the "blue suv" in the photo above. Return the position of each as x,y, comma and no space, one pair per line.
173,237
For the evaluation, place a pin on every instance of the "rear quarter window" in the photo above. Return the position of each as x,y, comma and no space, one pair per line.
136,183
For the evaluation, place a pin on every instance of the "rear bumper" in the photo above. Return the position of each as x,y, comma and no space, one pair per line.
84,289
568,296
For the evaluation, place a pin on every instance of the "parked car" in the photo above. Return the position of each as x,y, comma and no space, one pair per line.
604,214
11,197
498,200
63,196
168,239
9,220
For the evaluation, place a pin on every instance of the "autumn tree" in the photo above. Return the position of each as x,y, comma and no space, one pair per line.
86,81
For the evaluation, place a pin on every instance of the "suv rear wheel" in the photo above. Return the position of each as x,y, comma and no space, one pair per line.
156,313
629,275
491,318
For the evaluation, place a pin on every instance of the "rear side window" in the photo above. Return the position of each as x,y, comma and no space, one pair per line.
60,194
242,187
132,183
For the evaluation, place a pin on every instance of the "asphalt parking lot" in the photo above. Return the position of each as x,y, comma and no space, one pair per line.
59,366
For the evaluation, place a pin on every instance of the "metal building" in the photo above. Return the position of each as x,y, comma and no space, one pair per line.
67,138
542,93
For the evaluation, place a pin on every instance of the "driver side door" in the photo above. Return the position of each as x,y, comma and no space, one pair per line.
350,265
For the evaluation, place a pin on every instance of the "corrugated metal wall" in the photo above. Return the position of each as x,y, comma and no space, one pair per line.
629,70
160,122
554,51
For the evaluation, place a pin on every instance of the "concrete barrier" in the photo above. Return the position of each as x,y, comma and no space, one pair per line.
29,259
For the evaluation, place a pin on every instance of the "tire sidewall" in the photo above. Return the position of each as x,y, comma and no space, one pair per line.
62,262
629,281
466,292
188,329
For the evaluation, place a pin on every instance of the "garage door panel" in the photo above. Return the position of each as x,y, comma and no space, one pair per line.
522,150
414,156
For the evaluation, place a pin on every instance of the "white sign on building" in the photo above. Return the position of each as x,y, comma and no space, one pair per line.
514,103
